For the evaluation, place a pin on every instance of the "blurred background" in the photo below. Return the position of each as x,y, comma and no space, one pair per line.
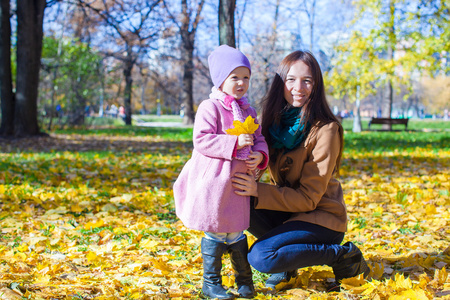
126,61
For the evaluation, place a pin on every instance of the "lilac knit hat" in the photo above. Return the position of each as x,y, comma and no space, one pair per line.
223,61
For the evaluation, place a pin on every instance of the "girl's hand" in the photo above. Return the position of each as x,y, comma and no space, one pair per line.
244,140
255,158
245,184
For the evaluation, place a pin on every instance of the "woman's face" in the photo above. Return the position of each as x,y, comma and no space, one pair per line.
298,85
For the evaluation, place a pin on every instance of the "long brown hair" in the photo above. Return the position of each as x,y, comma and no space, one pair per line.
315,111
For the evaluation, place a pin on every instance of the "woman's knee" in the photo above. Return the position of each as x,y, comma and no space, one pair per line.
260,259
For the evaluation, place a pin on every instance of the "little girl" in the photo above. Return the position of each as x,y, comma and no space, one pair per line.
204,197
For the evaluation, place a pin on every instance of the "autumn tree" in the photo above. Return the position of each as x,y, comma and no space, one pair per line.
131,27
19,109
405,40
79,84
436,94
186,21
267,50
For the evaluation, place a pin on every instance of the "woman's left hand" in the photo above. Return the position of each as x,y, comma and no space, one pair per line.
245,184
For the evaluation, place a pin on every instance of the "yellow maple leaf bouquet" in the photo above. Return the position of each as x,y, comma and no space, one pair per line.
247,127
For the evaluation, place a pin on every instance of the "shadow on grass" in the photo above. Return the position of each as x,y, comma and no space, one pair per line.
114,141
167,132
165,139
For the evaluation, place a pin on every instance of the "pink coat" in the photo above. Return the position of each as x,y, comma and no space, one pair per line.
204,197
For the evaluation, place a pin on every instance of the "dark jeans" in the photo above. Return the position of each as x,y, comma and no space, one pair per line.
292,245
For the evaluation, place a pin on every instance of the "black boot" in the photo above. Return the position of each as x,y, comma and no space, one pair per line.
212,252
282,281
348,265
243,271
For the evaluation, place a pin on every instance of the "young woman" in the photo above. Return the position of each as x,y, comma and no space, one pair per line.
300,218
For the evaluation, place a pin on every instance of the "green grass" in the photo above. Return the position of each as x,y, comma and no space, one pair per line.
166,133
379,141
88,121
365,141
413,125
372,141
162,118
105,121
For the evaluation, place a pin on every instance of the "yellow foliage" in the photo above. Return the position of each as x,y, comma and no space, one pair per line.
436,96
160,265
93,225
410,294
63,237
9,294
91,256
149,244
228,281
440,276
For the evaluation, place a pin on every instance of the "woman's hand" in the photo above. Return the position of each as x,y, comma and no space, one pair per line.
244,140
254,159
245,184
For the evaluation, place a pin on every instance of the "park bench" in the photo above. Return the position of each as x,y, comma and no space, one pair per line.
388,121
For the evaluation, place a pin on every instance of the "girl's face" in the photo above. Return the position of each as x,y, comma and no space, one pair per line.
298,85
237,82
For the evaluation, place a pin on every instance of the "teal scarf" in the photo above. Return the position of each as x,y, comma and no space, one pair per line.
290,133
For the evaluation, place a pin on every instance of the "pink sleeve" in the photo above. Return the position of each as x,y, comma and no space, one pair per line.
264,162
206,138
235,150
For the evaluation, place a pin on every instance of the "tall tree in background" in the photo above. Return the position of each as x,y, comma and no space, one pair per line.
226,22
239,13
30,16
351,78
133,25
268,50
309,8
391,39
6,94
406,42
187,25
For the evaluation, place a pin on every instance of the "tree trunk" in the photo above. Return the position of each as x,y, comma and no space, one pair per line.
6,94
77,116
386,111
311,13
226,23
128,86
357,114
188,29
268,74
30,16
143,88
52,99
188,78
388,100
102,92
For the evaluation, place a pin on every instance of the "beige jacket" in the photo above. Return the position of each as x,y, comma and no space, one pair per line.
303,181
